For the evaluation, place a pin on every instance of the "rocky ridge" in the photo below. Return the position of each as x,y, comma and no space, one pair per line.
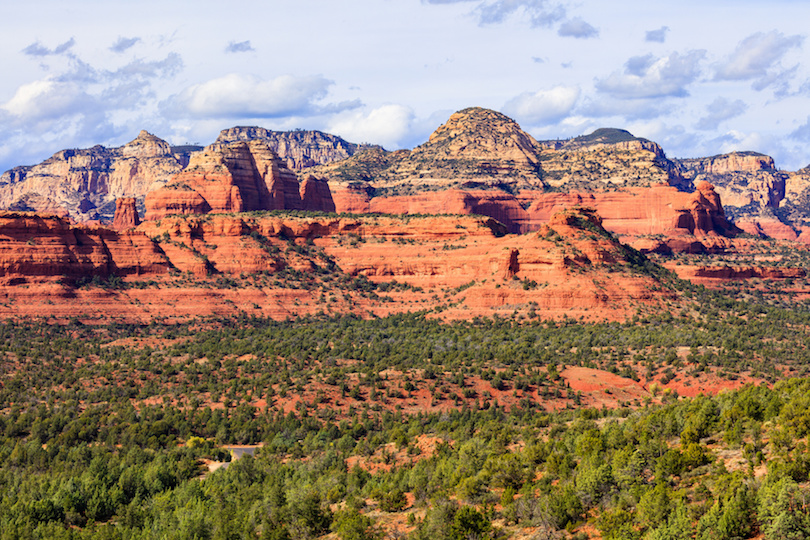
85,183
300,149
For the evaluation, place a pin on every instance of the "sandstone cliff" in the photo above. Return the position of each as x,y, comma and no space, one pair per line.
747,182
236,177
86,183
481,162
299,149
34,246
284,265
126,214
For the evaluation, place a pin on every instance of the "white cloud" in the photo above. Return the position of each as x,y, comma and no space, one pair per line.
720,110
648,77
248,96
38,49
758,57
388,125
544,106
577,28
45,99
738,141
539,12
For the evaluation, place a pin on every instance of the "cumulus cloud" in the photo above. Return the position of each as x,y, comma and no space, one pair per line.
758,58
38,49
248,96
650,77
740,141
387,125
628,109
577,28
657,36
720,110
122,44
242,46
43,99
80,105
543,107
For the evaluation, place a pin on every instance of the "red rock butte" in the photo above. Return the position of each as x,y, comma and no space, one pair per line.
236,177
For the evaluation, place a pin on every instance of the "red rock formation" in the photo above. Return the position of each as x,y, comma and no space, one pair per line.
126,214
237,177
564,270
767,228
299,149
658,210
316,196
39,246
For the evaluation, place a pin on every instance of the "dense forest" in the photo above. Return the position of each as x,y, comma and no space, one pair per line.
113,431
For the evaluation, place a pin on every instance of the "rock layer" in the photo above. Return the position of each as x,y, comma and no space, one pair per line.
299,149
189,265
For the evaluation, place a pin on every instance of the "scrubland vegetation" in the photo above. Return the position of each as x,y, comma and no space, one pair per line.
106,431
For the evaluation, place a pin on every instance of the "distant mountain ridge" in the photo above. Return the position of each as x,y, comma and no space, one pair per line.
485,160
299,148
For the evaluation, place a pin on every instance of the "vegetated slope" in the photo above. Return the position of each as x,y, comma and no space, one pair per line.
608,159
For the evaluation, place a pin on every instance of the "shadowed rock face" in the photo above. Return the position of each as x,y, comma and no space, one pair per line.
236,177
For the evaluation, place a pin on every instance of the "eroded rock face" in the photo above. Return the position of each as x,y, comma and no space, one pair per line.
568,268
237,177
298,149
748,182
86,183
481,162
126,214
316,195
36,246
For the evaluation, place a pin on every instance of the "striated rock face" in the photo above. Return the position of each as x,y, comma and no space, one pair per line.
86,183
478,146
126,214
475,149
186,266
298,149
237,177
34,246
481,162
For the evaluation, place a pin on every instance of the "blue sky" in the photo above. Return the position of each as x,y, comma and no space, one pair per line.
698,77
